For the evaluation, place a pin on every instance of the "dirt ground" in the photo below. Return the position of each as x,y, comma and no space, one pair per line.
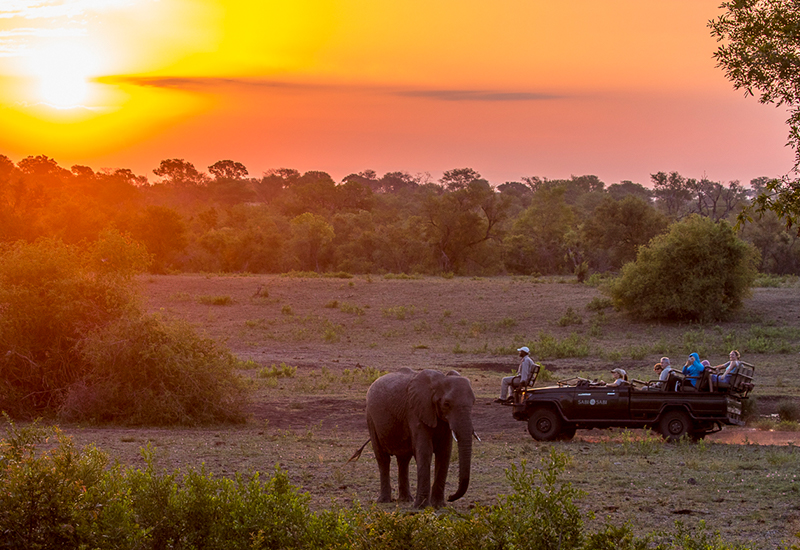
463,324
310,424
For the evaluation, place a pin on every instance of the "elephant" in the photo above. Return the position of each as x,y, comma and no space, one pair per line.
412,414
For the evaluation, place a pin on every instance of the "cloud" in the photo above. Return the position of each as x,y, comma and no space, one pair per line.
476,95
47,9
211,84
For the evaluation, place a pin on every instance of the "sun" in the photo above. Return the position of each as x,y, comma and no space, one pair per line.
63,73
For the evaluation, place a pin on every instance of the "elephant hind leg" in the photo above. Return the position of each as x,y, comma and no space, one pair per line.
404,487
384,463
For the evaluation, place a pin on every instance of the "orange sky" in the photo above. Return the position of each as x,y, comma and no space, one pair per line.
511,88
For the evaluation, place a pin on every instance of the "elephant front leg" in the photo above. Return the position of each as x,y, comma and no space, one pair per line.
404,487
423,480
441,465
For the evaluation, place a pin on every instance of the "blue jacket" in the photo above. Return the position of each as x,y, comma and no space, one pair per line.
694,370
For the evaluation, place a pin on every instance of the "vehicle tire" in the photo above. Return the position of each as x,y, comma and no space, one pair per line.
674,425
567,433
544,425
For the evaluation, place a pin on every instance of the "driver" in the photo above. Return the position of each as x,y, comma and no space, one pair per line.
523,373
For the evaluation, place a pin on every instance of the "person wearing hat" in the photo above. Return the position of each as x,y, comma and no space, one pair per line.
523,373
620,377
662,370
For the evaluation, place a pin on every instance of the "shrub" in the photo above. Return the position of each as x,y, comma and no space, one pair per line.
52,297
145,371
750,409
540,514
570,317
215,300
60,497
599,304
549,346
788,410
698,271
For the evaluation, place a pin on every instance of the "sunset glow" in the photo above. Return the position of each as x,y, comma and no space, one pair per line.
513,88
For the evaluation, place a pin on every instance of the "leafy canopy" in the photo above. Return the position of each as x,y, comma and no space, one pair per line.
760,54
698,271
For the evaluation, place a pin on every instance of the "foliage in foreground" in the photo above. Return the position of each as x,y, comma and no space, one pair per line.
698,271
75,343
54,496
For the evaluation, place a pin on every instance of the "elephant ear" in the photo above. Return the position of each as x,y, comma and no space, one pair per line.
421,396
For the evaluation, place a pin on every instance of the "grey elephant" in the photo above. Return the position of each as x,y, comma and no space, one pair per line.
417,415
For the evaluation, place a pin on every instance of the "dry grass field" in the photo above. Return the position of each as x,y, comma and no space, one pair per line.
311,346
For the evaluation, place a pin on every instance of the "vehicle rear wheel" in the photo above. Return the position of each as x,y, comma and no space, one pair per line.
674,425
544,425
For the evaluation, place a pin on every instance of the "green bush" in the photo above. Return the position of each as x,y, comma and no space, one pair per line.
699,271
146,371
74,342
62,497
53,297
788,410
540,514
570,317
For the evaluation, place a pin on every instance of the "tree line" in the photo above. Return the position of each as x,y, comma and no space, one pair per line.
225,220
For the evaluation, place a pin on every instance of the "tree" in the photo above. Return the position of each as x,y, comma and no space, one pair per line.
760,54
310,233
537,240
460,221
672,191
698,271
619,191
163,231
179,173
228,169
616,229
458,178
714,200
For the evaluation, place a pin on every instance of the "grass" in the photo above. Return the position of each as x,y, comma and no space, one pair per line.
745,491
215,300
399,312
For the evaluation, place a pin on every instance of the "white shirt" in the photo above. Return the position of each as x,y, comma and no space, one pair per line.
525,368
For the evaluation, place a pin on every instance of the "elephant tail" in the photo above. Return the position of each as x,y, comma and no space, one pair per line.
358,452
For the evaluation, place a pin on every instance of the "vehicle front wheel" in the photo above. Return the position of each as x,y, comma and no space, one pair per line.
674,425
544,425
567,432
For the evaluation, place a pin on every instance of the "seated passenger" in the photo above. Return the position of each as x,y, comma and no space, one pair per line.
666,368
662,370
693,369
730,369
620,377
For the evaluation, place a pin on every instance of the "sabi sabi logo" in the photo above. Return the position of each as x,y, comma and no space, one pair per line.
592,402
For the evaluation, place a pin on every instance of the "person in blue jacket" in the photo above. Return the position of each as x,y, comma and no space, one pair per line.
693,368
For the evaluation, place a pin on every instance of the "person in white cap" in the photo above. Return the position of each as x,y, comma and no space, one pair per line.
523,373
620,377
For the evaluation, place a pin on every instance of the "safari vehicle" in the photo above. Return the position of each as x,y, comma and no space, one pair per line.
674,408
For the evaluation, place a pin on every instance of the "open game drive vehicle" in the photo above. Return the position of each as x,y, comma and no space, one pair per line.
673,408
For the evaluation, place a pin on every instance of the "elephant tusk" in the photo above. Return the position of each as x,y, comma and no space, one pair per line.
455,438
476,435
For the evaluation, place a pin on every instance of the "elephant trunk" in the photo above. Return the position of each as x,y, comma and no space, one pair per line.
464,438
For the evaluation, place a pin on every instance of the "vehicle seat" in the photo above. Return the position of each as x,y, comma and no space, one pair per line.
704,382
519,389
672,382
